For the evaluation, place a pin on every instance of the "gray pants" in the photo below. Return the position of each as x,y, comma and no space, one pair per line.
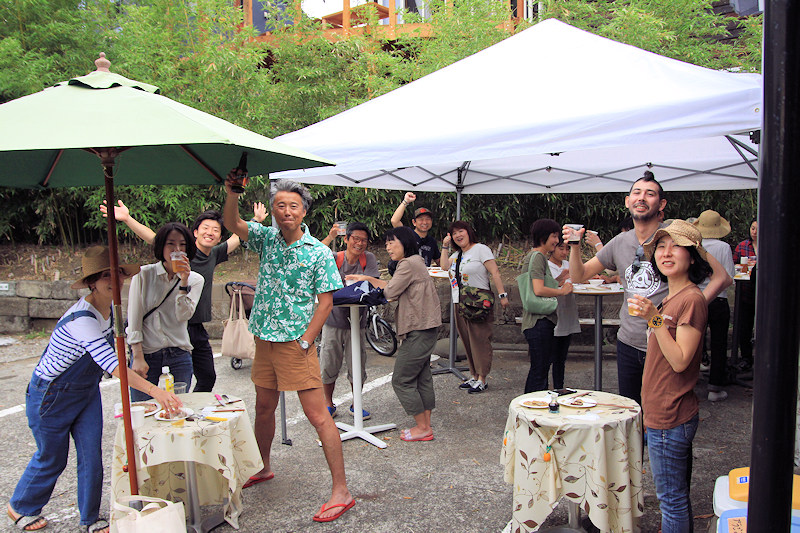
412,380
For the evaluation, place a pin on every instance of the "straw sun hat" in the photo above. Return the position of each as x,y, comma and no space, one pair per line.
96,260
683,233
712,225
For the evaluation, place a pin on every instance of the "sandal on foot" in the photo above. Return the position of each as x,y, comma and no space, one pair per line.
406,436
25,523
344,508
98,526
255,480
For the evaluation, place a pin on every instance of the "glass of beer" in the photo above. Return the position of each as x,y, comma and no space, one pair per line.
574,237
630,294
341,227
178,264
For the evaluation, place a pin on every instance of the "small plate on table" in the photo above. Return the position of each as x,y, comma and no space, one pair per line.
578,402
183,414
535,403
150,408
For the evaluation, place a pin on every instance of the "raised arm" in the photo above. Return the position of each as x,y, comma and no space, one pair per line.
397,217
123,214
259,214
444,259
331,236
230,214
720,279
580,271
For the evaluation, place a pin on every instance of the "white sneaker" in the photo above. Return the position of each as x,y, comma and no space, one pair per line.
717,396
468,384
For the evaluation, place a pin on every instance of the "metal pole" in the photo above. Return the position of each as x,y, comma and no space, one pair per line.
777,295
108,156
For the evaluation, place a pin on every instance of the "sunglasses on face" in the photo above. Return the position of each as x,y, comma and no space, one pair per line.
637,261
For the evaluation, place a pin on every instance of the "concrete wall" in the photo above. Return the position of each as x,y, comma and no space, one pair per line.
37,305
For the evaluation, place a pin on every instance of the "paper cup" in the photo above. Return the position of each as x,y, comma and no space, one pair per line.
137,416
180,387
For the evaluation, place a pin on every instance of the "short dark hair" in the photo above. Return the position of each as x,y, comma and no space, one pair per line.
161,239
650,178
460,224
699,269
542,229
626,224
210,214
357,226
407,238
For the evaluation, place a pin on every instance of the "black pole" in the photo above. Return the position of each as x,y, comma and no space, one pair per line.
777,291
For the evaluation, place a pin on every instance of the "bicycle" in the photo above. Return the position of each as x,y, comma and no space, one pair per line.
380,334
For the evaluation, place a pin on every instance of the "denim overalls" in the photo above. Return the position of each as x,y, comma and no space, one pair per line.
68,405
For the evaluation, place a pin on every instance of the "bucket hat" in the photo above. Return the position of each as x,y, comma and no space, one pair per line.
683,233
96,260
712,225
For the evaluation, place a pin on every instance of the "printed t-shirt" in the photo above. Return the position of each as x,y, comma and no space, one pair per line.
668,398
618,255
472,269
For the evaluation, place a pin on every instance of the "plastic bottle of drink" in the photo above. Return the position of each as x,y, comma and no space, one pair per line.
166,381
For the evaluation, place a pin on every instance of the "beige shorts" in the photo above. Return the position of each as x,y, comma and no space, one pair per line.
284,366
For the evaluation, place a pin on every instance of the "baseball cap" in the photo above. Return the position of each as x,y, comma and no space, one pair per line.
422,211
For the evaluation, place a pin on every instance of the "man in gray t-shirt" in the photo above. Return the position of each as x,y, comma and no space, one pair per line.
625,254
335,347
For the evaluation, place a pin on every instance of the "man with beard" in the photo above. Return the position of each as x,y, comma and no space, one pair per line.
625,254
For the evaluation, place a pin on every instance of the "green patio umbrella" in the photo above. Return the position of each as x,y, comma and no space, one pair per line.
102,129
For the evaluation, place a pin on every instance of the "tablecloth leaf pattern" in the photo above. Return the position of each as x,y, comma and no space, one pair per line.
226,455
596,464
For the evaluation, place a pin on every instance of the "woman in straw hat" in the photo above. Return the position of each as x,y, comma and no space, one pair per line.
672,366
63,399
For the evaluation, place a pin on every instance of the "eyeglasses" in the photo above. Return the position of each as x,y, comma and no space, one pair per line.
359,240
637,261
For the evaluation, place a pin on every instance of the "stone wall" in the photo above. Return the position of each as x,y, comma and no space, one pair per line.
27,306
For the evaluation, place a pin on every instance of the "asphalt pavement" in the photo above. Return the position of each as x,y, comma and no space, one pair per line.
451,484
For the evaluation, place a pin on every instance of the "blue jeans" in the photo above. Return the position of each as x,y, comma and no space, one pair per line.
630,367
540,350
180,366
671,462
68,405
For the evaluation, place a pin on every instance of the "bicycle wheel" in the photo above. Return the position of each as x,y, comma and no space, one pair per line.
381,337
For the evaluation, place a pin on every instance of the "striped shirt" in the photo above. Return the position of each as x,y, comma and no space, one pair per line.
69,342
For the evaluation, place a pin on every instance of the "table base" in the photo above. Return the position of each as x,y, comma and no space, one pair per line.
194,517
450,362
574,524
351,432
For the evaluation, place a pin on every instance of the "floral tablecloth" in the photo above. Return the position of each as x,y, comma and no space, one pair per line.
595,461
225,452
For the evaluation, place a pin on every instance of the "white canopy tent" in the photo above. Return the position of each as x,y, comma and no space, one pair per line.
551,109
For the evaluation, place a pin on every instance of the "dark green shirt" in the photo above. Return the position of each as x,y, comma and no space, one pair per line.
204,265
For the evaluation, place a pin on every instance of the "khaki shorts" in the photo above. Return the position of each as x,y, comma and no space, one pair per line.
284,366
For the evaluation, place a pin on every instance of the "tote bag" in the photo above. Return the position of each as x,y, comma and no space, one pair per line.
237,341
156,515
536,305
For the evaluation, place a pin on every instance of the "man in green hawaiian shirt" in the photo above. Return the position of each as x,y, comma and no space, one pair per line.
295,268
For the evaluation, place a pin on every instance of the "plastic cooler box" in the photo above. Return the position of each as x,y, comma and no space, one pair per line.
730,492
722,523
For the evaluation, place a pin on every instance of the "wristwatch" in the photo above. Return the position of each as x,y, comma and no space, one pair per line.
303,343
185,289
656,322
503,295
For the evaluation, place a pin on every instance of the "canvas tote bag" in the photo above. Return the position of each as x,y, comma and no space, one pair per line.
156,515
237,341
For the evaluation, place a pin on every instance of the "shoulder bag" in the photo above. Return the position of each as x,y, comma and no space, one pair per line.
157,515
474,304
237,341
536,305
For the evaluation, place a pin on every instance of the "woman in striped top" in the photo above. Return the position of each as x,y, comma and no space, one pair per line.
63,399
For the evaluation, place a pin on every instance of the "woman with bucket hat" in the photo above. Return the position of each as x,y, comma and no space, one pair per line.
63,399
713,227
672,366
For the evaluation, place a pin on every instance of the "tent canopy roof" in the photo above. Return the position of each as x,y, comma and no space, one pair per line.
551,109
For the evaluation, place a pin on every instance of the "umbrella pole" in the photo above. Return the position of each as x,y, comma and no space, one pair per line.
108,156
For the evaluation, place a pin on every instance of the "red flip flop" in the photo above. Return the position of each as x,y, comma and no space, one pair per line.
406,436
345,508
254,480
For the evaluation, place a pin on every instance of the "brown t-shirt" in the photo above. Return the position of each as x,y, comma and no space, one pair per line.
418,305
668,398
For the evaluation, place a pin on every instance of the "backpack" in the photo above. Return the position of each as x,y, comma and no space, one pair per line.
340,260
